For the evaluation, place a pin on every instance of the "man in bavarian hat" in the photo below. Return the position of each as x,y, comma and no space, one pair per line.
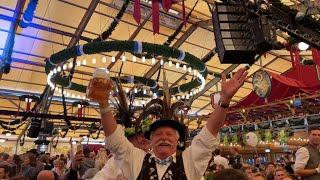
164,162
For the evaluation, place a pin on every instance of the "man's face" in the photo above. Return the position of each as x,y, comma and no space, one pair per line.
249,173
258,178
314,137
270,168
280,175
2,173
164,142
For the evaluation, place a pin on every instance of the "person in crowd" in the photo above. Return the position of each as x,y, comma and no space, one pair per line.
307,164
18,163
31,166
92,155
59,168
87,161
270,170
258,176
165,161
46,175
229,174
235,159
280,174
7,161
4,172
46,162
247,169
219,160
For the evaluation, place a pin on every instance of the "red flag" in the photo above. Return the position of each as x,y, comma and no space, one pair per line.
80,111
28,106
155,16
136,11
184,14
166,4
297,62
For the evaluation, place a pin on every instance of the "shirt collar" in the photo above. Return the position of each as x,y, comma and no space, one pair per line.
173,156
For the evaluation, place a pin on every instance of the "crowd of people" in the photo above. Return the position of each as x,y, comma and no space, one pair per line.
154,154
100,165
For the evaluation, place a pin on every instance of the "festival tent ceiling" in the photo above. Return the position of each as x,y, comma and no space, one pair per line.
57,23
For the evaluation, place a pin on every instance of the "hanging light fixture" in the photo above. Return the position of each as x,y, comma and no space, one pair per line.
303,46
84,62
161,62
143,59
113,59
94,61
104,59
134,58
170,63
123,58
153,60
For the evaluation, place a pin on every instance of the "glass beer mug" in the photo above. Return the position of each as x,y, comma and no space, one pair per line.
99,86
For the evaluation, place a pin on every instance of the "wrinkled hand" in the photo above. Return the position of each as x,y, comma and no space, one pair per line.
78,158
230,87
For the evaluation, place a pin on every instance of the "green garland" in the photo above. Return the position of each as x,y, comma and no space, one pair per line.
114,23
131,131
127,46
307,21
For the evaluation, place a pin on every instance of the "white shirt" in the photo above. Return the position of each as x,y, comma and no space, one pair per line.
195,157
219,160
302,157
110,171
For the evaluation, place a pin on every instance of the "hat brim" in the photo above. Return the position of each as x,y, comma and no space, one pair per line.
166,123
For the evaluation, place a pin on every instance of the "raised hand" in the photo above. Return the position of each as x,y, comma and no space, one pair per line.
230,87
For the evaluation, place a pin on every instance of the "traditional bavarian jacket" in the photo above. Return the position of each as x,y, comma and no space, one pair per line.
132,163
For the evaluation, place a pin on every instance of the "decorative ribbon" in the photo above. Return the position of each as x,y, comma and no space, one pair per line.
166,4
155,16
316,59
136,11
184,14
80,111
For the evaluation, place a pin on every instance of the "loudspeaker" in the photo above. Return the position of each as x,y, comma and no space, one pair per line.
233,35
264,33
34,128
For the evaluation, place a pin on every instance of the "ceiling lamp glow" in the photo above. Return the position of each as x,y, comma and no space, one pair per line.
303,46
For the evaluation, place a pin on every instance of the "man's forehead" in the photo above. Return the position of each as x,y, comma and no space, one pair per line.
315,132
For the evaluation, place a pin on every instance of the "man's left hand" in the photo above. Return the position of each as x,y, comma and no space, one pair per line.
230,87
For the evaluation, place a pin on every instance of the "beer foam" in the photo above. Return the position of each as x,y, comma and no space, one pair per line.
101,73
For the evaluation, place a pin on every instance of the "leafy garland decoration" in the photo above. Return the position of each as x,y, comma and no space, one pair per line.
127,46
105,35
308,21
